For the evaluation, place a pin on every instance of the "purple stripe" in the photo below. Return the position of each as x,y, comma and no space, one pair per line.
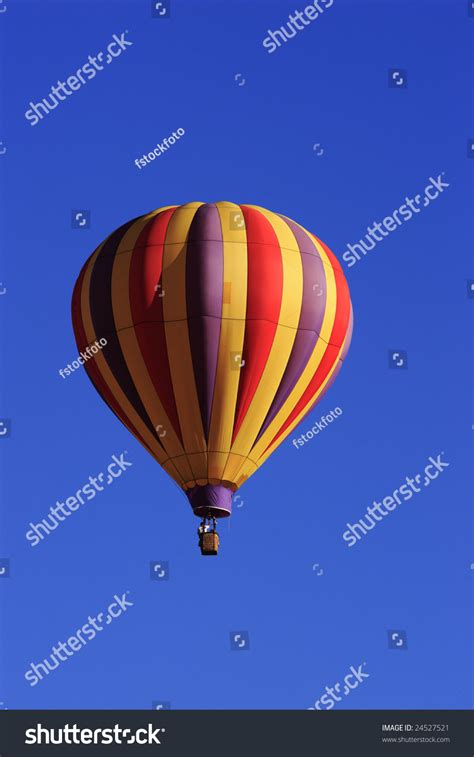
336,369
103,322
313,306
347,341
204,286
329,384
331,381
338,365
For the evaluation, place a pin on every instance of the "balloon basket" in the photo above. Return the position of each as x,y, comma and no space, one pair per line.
209,543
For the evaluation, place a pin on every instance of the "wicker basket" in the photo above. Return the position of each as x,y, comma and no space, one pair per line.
210,543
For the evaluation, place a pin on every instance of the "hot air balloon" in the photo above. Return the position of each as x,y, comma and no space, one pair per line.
224,325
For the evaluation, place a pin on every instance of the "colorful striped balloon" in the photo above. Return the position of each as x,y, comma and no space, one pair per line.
225,325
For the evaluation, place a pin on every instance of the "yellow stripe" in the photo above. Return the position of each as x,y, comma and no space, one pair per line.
107,375
301,385
133,356
177,340
301,415
283,339
231,340
241,479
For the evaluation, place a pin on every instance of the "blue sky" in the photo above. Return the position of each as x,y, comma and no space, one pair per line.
249,143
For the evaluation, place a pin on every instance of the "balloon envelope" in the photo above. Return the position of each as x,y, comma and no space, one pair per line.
221,327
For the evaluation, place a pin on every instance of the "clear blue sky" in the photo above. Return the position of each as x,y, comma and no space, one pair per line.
251,143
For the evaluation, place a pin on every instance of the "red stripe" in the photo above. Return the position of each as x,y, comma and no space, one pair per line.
338,335
332,258
76,311
91,367
264,293
146,268
343,311
77,324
